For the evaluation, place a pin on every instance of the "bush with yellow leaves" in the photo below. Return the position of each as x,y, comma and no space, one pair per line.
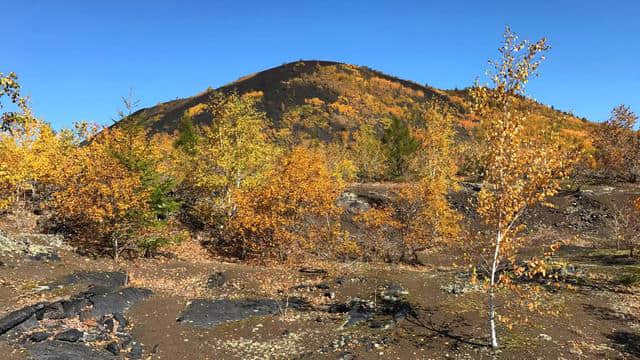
113,196
292,212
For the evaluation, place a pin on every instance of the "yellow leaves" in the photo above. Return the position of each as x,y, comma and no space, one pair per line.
95,187
29,154
617,145
314,102
281,214
235,151
196,110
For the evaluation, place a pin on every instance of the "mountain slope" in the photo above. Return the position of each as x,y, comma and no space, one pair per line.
333,97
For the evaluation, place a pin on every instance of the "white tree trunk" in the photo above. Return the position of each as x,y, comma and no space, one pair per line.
492,307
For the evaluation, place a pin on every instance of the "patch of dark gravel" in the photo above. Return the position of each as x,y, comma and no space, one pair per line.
212,313
96,281
62,350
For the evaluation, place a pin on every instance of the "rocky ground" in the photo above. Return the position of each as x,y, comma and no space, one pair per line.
190,306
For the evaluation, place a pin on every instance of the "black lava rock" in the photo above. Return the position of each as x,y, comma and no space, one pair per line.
39,336
19,316
71,335
122,321
113,348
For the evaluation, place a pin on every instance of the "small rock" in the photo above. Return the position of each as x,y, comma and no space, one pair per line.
136,351
545,337
122,321
347,356
125,341
71,335
109,325
39,336
113,348
312,271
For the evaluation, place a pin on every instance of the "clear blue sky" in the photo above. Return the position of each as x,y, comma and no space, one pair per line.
76,58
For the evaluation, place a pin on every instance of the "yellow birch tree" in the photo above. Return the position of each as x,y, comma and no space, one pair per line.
522,167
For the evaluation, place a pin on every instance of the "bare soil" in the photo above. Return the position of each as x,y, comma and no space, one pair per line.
595,314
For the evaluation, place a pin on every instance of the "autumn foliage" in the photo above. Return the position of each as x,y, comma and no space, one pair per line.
617,146
112,192
523,166
291,213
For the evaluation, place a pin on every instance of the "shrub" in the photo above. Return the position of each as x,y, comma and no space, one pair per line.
291,212
111,194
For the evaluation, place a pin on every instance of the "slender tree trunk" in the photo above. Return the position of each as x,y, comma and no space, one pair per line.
115,249
492,307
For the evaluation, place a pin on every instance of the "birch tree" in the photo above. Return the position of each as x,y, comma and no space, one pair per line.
523,166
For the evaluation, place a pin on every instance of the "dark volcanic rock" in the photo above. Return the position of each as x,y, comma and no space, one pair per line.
39,336
136,351
359,311
105,300
46,256
116,302
71,335
122,321
212,313
103,281
65,309
313,271
113,348
17,317
61,350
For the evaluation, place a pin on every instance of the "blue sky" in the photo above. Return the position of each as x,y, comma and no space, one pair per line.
76,58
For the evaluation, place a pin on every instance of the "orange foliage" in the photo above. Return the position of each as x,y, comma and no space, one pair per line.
291,211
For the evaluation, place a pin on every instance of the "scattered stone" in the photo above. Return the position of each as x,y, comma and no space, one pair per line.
39,336
113,348
458,288
136,351
109,325
359,311
71,335
393,292
45,256
346,356
105,300
313,271
216,280
545,337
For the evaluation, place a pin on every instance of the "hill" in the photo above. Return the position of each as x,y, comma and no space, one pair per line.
343,95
